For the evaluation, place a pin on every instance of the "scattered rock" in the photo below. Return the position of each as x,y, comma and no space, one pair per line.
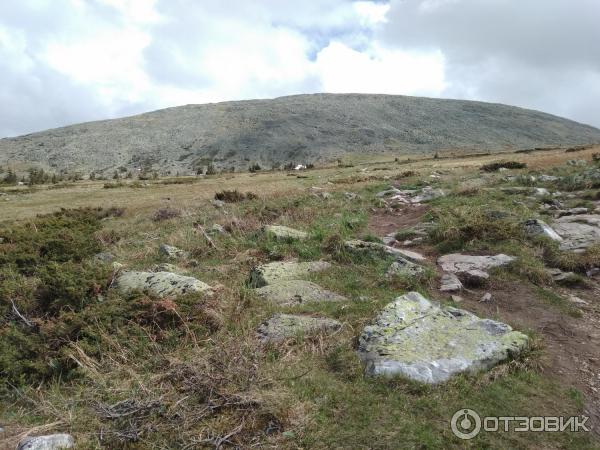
450,282
274,272
578,232
548,178
577,162
456,298
411,196
165,267
472,269
540,192
535,227
172,252
423,341
285,233
404,267
283,326
295,292
560,276
48,442
377,248
104,257
351,195
161,284
216,229
572,212
577,301
218,203
487,297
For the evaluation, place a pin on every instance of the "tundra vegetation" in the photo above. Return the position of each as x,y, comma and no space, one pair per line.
131,369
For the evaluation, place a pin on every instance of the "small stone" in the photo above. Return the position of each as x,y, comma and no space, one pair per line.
559,276
104,257
283,326
404,267
48,442
218,203
535,227
487,297
577,301
172,252
456,298
472,269
450,282
216,229
351,195
285,233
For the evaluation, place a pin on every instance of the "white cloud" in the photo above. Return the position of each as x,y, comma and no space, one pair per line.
379,70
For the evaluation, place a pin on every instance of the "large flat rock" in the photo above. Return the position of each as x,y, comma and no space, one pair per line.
578,232
283,326
161,284
296,292
285,233
458,263
274,272
47,442
418,339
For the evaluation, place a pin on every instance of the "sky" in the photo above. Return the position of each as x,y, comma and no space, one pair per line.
70,61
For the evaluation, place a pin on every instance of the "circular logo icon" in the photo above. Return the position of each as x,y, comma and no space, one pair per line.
465,424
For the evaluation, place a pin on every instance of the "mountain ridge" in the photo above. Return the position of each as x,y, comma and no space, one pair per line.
307,128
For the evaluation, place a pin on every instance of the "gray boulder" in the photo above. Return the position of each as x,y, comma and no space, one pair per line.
578,232
418,339
274,272
161,284
172,252
535,227
377,248
295,292
48,442
285,233
472,268
284,326
450,283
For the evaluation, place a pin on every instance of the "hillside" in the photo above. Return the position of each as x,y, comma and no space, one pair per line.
300,129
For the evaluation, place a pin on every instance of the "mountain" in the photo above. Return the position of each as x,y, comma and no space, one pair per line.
300,129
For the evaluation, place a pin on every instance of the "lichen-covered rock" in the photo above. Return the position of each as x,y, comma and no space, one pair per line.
535,227
418,339
166,267
578,231
450,283
377,248
458,263
404,267
410,196
283,326
274,272
161,284
104,257
296,292
172,252
48,442
285,233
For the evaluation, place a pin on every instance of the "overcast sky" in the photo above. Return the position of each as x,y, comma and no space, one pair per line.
68,61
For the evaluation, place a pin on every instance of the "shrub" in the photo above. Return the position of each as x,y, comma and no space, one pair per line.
166,214
494,167
234,196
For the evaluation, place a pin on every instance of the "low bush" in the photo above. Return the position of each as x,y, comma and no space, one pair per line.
165,214
234,196
494,167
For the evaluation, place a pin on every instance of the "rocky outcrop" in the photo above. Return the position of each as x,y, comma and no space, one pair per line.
48,442
274,272
284,326
394,196
296,292
450,283
418,339
285,233
161,284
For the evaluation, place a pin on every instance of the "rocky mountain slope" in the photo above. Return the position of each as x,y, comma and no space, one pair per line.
299,129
